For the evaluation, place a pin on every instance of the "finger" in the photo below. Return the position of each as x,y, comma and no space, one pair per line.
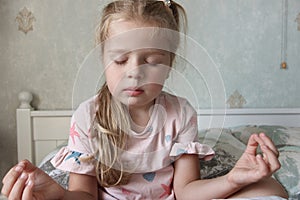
18,187
29,167
272,159
252,145
269,143
260,139
11,177
263,169
28,190
14,170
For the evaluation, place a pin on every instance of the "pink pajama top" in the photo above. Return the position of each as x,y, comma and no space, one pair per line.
170,132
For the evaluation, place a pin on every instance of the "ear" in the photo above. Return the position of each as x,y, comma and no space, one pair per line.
172,57
168,74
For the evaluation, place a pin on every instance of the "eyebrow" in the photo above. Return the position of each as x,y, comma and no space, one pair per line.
118,50
125,51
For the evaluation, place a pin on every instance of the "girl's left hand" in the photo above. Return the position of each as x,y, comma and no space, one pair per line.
253,167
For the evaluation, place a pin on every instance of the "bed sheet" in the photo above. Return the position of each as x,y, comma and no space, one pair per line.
228,147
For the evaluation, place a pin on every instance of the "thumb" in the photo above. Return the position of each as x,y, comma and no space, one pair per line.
29,167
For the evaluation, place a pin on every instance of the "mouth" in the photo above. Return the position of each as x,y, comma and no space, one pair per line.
134,91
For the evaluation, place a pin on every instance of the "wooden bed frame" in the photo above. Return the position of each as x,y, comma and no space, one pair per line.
39,132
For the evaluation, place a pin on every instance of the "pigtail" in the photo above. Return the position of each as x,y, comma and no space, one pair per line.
110,127
179,15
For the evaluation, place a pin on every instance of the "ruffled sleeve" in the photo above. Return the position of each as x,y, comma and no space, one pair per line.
202,150
77,156
73,161
187,141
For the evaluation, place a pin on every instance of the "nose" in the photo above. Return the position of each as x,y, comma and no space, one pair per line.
135,69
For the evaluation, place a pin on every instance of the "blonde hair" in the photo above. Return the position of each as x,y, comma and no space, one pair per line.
112,122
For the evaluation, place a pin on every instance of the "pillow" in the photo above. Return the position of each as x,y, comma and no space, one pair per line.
61,177
287,140
227,149
289,173
280,135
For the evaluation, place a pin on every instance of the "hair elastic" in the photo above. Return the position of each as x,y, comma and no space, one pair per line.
167,2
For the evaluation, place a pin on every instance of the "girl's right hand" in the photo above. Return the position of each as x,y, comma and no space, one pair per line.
27,182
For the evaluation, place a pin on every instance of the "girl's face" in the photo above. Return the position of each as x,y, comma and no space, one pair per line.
135,64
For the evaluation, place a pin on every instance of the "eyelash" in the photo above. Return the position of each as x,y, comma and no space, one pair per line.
123,62
120,62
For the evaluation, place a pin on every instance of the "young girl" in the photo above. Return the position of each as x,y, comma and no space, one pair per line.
134,141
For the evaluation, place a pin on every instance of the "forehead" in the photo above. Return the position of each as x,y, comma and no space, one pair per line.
132,35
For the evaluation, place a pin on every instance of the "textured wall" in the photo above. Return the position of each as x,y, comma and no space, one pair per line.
44,61
242,37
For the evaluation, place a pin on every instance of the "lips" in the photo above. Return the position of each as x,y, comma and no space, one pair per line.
133,91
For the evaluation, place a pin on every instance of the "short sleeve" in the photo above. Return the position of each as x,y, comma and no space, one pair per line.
188,119
77,156
187,141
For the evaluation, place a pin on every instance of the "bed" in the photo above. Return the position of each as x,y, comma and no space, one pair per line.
40,133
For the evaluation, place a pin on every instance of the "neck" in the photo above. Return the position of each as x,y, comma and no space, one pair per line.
140,116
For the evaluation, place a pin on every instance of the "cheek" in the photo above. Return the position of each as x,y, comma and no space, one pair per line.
158,77
113,79
156,87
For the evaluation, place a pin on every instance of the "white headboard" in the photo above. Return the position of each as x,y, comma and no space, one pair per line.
39,132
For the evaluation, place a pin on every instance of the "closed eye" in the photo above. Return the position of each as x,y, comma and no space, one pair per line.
154,61
120,62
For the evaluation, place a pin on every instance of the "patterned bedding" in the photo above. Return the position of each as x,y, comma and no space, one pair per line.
228,147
